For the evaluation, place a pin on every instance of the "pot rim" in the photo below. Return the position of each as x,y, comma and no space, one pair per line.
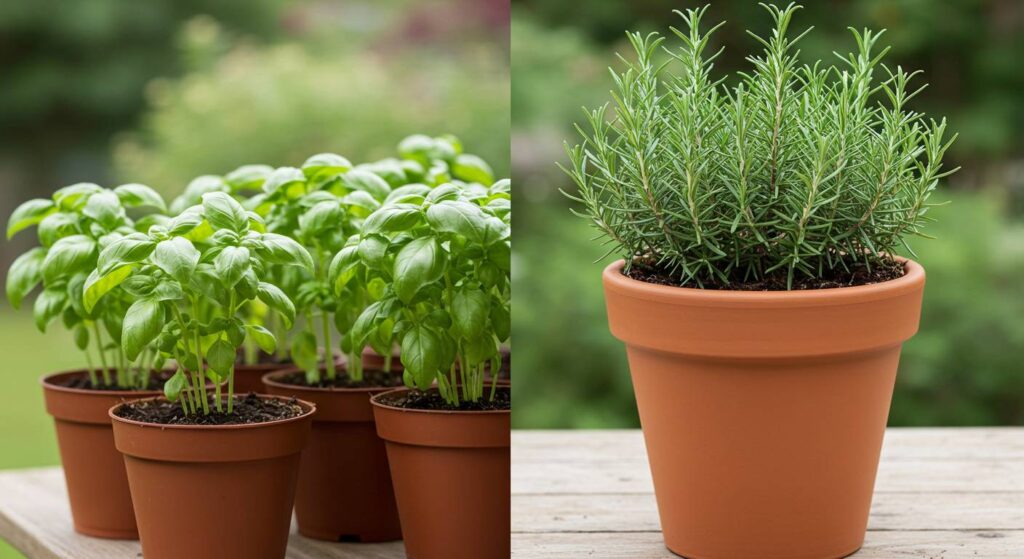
374,401
318,389
912,279
45,382
309,409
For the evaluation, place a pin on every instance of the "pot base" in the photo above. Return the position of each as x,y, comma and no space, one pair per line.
107,534
685,555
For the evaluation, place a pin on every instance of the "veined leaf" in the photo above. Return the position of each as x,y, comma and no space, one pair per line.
419,263
96,286
29,214
24,275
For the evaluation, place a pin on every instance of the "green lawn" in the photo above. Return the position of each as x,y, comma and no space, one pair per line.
26,432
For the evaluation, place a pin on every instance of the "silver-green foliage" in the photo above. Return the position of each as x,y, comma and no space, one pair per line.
794,171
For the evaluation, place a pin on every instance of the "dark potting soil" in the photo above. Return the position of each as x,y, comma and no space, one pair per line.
247,409
156,383
371,379
262,359
432,400
857,273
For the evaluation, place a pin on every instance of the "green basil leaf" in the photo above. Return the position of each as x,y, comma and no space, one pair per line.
344,266
421,351
502,186
360,179
194,192
186,221
396,217
366,322
105,208
361,203
67,256
304,352
373,250
470,310
283,177
221,358
167,290
48,306
57,225
177,257
174,385
134,195
410,193
73,197
323,165
81,336
479,349
224,212
322,216
28,214
501,320
441,193
96,286
277,300
390,170
231,264
278,249
458,217
501,255
419,263
248,177
24,275
263,338
126,250
142,324
471,168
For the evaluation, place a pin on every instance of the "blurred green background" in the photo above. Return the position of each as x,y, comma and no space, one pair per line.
161,91
963,368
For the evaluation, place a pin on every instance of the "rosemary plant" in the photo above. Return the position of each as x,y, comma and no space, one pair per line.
789,172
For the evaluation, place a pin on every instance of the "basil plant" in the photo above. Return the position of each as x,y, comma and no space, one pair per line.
440,258
188,278
74,227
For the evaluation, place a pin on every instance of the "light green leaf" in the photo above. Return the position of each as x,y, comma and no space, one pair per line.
134,195
421,352
57,225
471,168
96,286
277,300
24,275
419,263
304,352
73,197
396,217
67,256
459,217
142,324
360,179
177,257
174,385
283,177
263,338
221,358
248,177
126,250
29,214
224,212
373,249
322,216
410,193
470,312
278,249
185,222
105,208
48,306
323,165
231,264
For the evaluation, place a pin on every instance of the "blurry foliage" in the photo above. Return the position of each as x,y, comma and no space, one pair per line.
279,103
962,368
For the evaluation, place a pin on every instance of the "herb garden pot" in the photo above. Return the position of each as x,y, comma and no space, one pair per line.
451,476
763,412
101,504
344,491
210,492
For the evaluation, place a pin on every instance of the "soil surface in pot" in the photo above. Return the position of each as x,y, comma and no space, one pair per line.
855,273
262,359
156,383
371,379
248,409
432,400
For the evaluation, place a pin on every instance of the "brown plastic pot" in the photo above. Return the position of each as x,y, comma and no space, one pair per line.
451,475
210,492
344,491
101,505
249,378
763,412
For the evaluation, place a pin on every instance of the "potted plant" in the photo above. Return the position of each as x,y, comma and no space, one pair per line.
760,298
79,223
444,262
344,490
194,453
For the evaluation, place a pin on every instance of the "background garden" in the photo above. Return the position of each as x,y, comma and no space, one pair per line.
964,366
161,91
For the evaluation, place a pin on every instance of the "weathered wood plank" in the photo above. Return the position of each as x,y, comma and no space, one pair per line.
35,518
930,544
890,511
630,474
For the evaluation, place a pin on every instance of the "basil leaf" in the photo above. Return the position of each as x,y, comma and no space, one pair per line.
360,179
277,300
459,217
471,168
224,212
396,217
283,177
322,165
142,324
126,250
177,257
421,352
68,255
231,264
174,385
263,338
105,208
470,312
248,177
48,306
278,249
419,263
28,214
24,275
96,286
221,358
134,195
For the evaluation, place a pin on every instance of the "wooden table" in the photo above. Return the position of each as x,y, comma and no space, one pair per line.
35,518
941,493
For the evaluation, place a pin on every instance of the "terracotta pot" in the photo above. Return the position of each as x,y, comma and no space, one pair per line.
249,378
344,491
210,492
451,475
374,360
763,412
101,505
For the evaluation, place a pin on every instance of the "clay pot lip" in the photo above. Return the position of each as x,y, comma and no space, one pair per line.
309,410
47,383
317,389
912,280
376,403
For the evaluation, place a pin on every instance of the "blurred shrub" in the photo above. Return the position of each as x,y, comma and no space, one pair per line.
962,368
281,103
